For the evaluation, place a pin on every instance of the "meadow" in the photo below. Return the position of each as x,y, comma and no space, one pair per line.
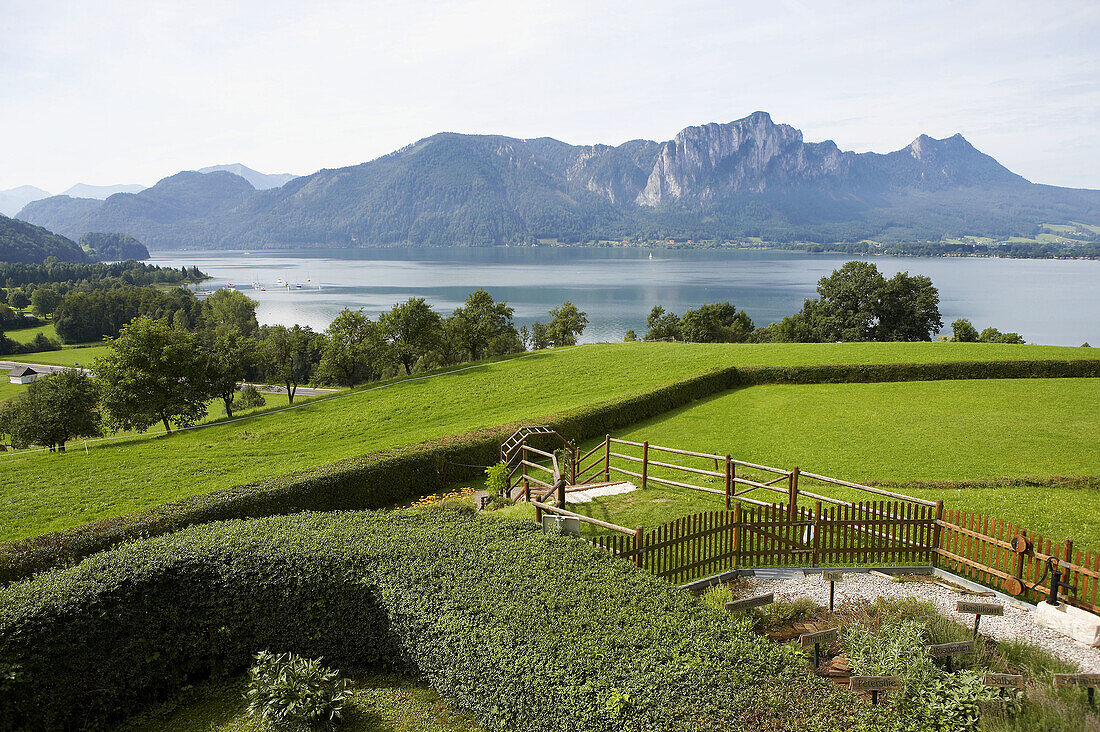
999,431
47,492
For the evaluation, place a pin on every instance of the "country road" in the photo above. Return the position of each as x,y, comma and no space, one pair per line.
43,368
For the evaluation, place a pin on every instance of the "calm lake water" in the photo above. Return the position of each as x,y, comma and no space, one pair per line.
1047,301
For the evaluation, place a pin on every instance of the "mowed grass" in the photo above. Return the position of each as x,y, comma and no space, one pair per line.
26,335
379,703
910,431
46,492
68,356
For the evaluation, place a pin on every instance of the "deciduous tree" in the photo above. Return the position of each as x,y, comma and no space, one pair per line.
412,329
153,373
54,409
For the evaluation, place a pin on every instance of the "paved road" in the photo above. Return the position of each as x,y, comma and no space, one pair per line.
269,388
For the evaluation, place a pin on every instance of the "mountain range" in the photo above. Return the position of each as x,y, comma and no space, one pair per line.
747,178
259,181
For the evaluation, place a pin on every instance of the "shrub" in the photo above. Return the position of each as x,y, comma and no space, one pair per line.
524,630
249,398
717,596
496,479
287,691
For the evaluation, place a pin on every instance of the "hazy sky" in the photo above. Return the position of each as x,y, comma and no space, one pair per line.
124,92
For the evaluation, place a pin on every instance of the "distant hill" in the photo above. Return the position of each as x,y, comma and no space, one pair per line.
747,178
113,247
83,190
259,181
13,199
30,244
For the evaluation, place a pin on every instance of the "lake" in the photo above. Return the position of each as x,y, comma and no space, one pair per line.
1055,302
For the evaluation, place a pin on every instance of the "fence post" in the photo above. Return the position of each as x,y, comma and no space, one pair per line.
817,534
645,462
526,483
736,542
792,494
573,466
638,547
561,492
729,481
607,458
936,534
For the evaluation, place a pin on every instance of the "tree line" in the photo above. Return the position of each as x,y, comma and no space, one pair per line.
855,303
167,370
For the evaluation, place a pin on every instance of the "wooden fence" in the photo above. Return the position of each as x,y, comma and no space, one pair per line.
754,533
712,542
980,548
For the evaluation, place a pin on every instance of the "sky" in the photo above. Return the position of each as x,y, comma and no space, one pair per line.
132,91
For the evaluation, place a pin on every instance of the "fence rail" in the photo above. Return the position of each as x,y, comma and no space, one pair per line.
752,533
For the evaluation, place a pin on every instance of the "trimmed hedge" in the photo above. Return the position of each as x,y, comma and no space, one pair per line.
403,474
524,630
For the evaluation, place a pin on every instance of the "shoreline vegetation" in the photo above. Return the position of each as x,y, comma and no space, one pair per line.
977,247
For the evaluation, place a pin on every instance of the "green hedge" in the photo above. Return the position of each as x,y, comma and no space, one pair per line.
403,474
526,631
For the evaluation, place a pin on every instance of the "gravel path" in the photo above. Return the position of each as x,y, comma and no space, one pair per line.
1015,623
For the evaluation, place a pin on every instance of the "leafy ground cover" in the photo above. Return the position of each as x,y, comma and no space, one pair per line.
43,492
379,703
909,431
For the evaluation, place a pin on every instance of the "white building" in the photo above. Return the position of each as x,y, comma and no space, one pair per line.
22,375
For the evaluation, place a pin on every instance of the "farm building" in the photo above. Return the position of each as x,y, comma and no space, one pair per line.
22,375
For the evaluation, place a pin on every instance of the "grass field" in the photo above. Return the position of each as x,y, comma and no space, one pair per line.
26,335
922,431
43,492
381,703
68,356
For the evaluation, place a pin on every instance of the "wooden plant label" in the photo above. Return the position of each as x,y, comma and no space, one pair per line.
832,576
980,608
821,636
1004,681
751,602
1086,681
941,650
874,683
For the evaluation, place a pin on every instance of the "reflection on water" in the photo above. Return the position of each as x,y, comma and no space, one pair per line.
1046,301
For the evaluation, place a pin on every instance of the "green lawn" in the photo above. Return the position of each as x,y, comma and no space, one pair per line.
381,703
923,431
26,335
43,492
8,390
69,356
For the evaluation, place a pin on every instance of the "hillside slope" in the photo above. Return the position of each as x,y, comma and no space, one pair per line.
46,492
29,244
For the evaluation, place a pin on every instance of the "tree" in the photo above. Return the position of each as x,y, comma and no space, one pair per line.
662,326
230,310
715,323
485,326
229,355
992,335
354,349
630,336
566,324
963,331
152,373
412,329
909,309
540,336
44,301
54,409
850,302
18,299
288,355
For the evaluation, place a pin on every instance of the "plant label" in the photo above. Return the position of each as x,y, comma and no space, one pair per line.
980,608
832,576
751,602
941,650
1084,681
821,636
874,683
1004,681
